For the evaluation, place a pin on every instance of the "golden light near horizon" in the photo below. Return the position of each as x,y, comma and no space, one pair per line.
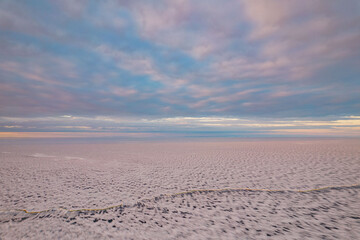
347,126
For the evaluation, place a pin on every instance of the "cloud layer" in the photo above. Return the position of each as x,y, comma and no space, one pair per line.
278,60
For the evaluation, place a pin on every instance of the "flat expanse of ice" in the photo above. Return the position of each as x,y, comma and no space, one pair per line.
54,175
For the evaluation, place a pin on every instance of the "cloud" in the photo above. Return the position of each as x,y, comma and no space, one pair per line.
312,34
30,73
75,135
344,126
164,59
123,92
72,8
14,17
136,63
197,28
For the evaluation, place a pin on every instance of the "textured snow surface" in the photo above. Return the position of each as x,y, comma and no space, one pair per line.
38,176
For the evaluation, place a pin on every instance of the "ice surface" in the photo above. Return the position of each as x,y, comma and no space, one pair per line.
97,175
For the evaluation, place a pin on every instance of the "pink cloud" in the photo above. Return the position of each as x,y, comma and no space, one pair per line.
72,8
36,71
123,92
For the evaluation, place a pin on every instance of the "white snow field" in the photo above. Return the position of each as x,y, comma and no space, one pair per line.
142,178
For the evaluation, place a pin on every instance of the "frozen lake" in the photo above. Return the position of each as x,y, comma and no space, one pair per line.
55,174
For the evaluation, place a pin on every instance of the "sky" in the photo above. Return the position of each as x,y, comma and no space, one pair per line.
205,68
